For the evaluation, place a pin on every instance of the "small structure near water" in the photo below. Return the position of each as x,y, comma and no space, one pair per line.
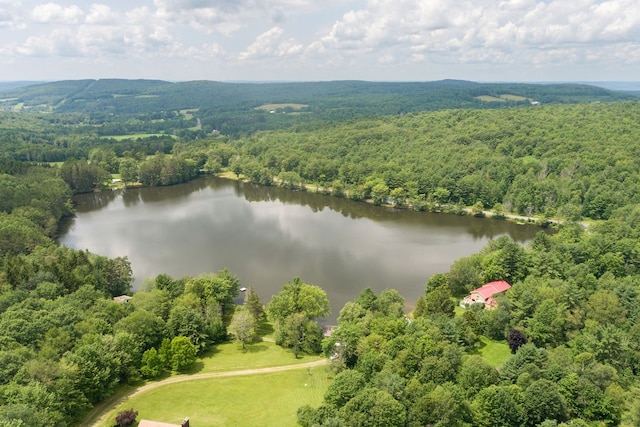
486,294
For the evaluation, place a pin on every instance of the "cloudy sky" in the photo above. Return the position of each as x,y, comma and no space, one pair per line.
418,40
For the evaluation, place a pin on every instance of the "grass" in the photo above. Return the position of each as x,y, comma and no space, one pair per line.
133,136
487,98
501,98
513,98
188,114
223,358
495,353
260,400
231,357
270,107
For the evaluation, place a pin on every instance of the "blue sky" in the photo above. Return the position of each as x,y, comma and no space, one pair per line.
303,40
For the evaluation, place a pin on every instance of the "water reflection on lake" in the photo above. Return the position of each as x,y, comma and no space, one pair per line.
267,236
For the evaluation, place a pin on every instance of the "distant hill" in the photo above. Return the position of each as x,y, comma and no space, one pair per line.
13,85
143,96
195,109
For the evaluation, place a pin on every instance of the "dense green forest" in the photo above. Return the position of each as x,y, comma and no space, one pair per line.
571,319
560,161
134,106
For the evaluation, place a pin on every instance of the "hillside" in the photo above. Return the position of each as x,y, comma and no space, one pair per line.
143,96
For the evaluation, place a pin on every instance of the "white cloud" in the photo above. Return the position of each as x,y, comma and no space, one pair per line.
54,13
332,38
9,15
36,46
483,30
272,44
101,14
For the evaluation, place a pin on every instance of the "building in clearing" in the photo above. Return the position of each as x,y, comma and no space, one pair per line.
122,298
486,294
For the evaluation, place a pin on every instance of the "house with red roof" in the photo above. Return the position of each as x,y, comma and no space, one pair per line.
486,294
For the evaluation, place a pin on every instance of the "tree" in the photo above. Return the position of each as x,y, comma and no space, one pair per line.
498,406
475,374
183,354
298,297
186,322
128,170
438,301
147,328
243,326
344,387
373,408
543,401
379,193
445,406
300,334
82,176
126,418
516,339
152,365
253,304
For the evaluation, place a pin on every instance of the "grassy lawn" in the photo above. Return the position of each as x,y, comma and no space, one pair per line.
231,357
495,353
259,400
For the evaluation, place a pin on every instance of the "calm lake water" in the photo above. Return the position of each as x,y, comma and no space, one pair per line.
267,236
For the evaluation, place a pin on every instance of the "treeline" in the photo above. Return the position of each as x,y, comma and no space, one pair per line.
556,161
571,320
58,137
65,344
33,199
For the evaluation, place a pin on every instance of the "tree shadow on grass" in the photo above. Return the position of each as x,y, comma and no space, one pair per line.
255,347
265,328
197,367
477,349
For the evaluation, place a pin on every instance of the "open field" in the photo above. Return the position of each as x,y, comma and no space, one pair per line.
513,97
488,98
226,367
133,136
269,107
501,98
269,399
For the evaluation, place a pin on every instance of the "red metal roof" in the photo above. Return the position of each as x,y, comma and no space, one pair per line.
492,288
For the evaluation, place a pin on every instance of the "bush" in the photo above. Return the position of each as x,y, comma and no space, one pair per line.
126,418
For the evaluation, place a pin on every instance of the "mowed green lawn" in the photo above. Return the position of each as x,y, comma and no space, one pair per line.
268,399
231,357
495,353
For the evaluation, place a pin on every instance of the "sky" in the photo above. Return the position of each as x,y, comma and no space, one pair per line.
319,40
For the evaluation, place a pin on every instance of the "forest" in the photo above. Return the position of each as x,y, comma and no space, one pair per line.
571,318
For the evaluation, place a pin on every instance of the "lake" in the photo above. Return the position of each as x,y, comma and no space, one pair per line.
267,236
